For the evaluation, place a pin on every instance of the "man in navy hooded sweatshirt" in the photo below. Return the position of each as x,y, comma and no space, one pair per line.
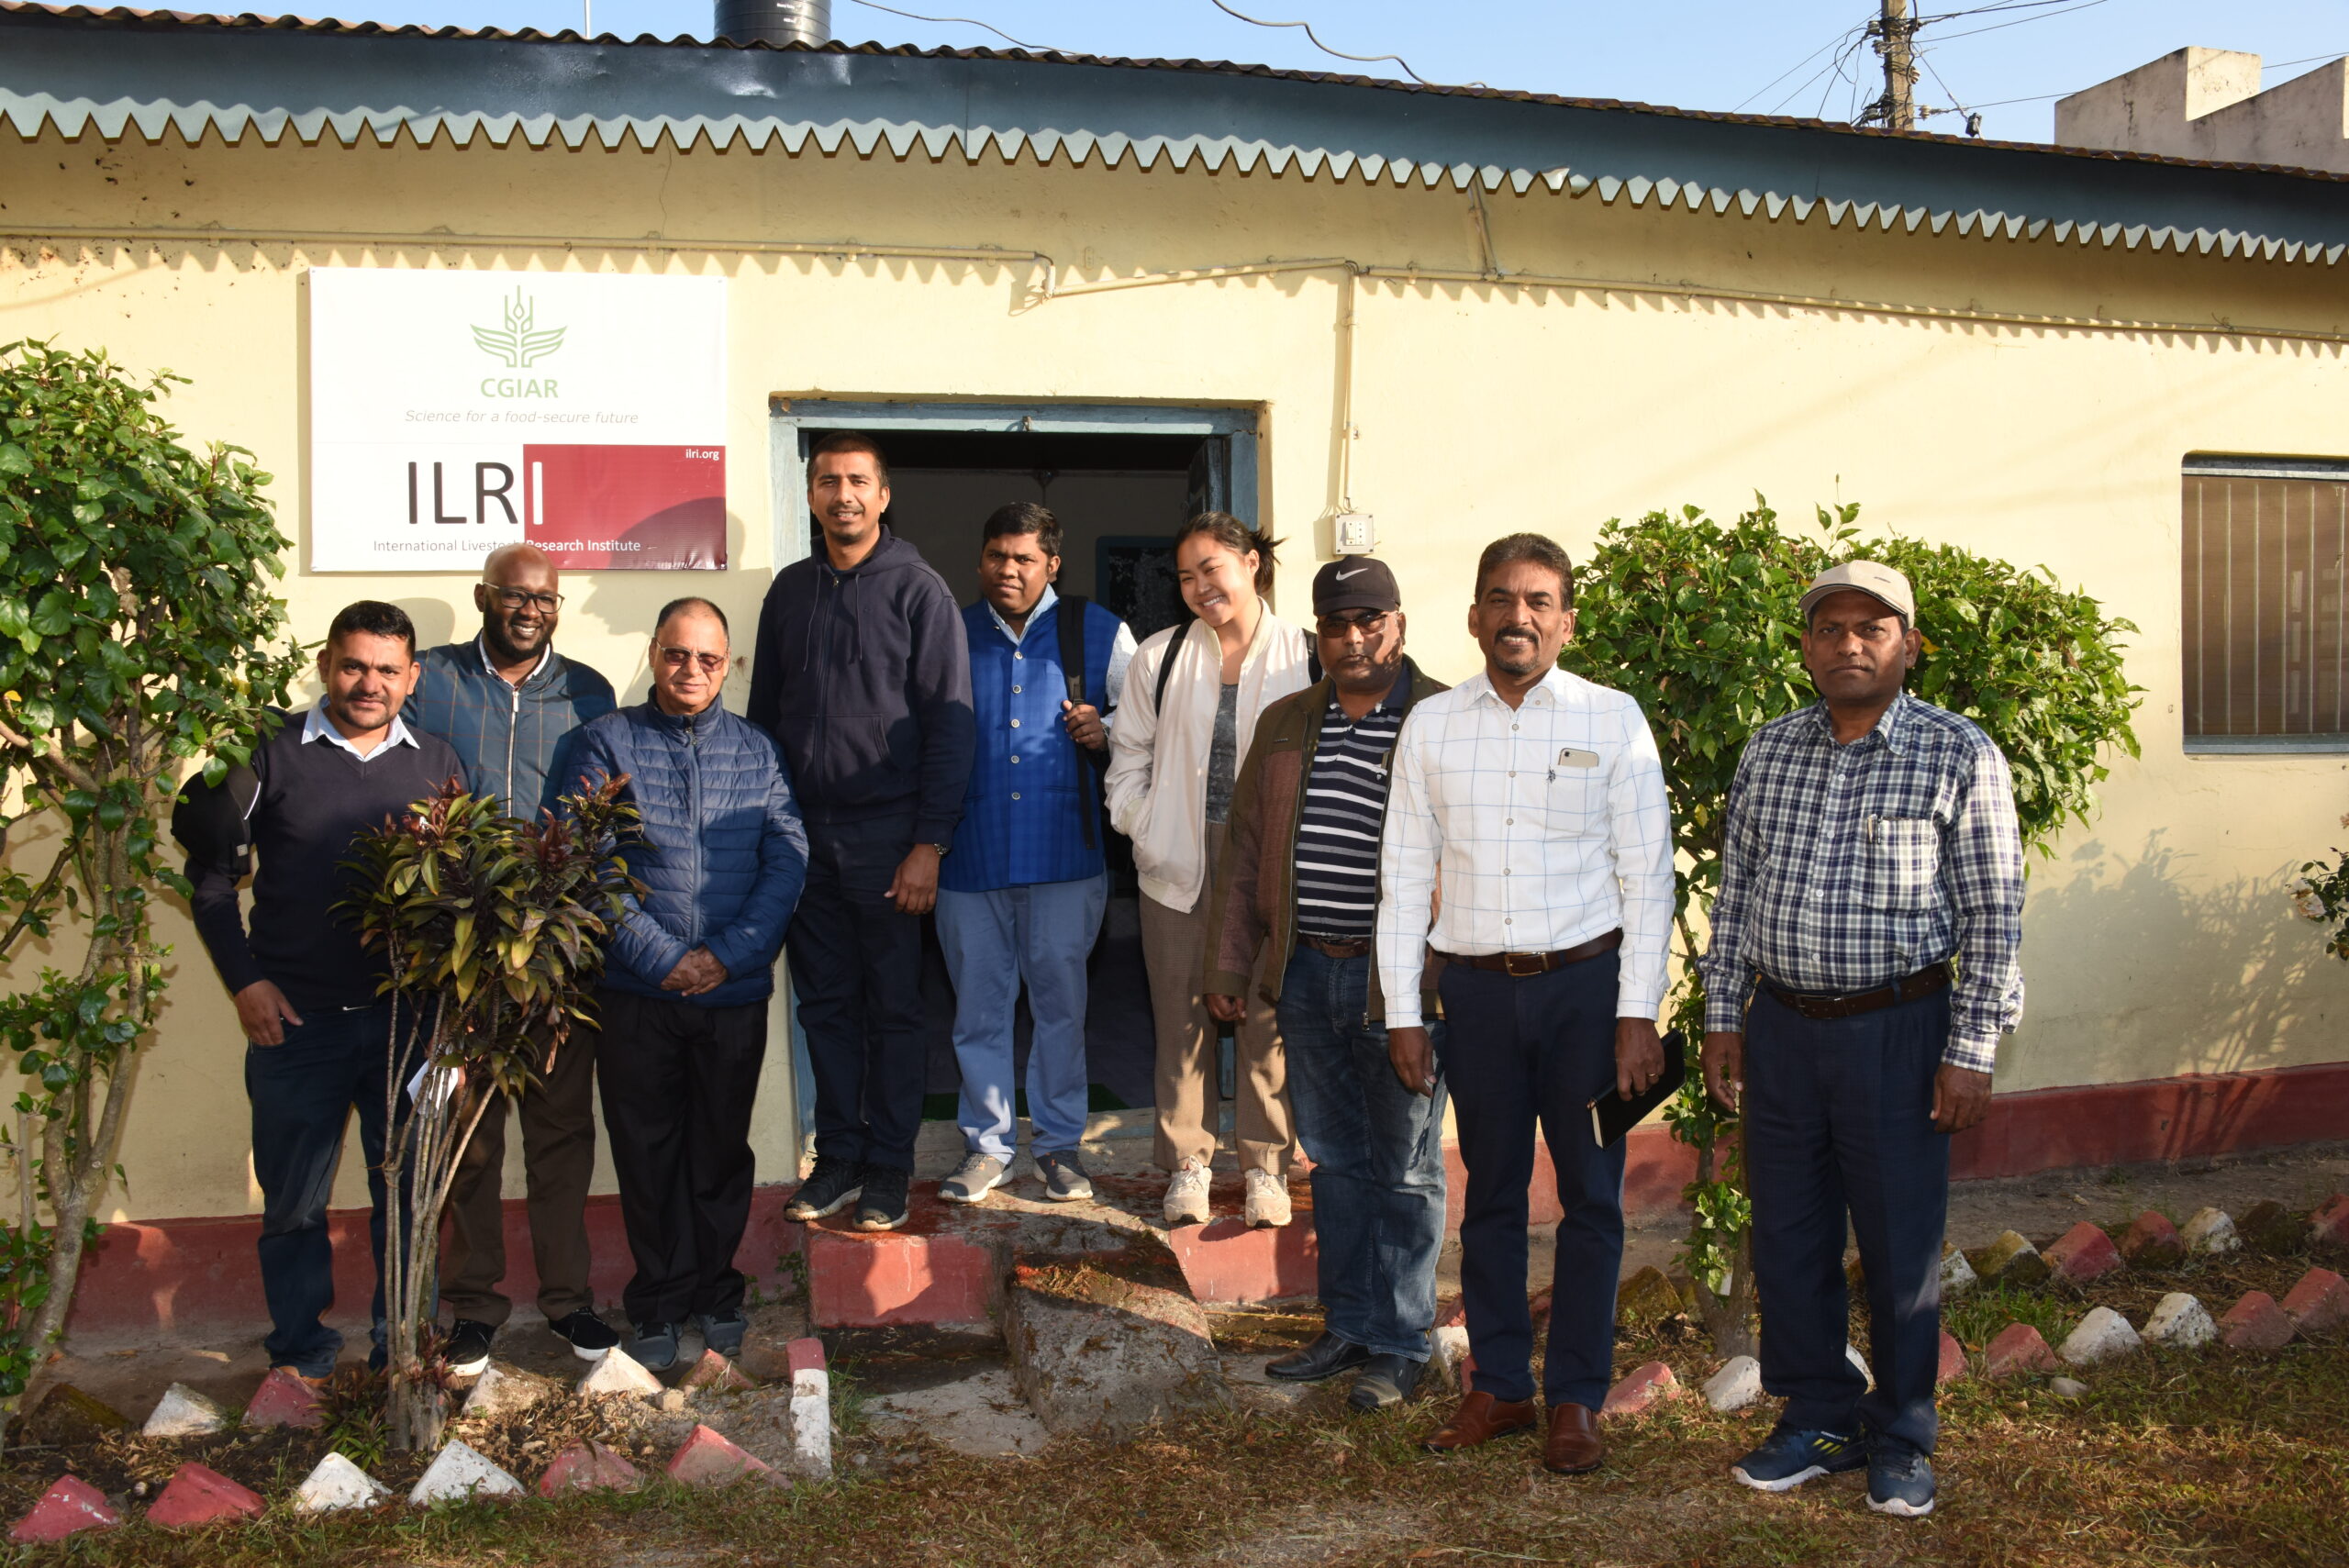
862,674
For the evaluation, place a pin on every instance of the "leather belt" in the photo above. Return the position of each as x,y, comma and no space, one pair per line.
1329,947
1924,982
1522,965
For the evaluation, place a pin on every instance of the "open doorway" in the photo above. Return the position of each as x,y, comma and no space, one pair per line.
1122,481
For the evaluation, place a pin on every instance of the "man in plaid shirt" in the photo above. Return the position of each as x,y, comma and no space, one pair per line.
1861,971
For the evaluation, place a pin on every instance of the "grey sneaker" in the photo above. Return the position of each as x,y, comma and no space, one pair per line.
976,1177
723,1333
1065,1177
653,1346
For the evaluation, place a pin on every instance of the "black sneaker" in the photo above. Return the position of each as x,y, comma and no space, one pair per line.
1788,1458
588,1335
883,1207
467,1349
723,1331
831,1187
1900,1479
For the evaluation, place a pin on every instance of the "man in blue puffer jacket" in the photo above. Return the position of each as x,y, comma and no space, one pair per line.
682,1005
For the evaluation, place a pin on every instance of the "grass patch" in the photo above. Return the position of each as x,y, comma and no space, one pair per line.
2170,1459
1975,1317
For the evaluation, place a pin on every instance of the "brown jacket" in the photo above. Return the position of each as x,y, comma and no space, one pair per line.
1253,906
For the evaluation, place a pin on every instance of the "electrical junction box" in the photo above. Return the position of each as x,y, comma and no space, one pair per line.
1356,533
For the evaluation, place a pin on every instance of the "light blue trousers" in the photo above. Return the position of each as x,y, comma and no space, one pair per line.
1041,933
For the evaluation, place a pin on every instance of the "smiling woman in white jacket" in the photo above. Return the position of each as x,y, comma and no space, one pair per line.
1170,777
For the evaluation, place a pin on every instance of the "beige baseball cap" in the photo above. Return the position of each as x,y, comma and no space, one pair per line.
1873,578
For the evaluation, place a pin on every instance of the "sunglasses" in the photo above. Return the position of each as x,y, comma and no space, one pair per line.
678,658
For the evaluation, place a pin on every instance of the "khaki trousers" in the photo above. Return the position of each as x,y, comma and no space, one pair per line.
1173,948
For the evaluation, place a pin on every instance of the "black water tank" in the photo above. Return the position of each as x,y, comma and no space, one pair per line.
775,21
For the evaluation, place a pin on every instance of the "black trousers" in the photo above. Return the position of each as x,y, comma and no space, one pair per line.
856,969
1515,1052
678,1082
1838,1121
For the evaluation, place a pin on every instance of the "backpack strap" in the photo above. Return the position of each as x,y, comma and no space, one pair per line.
1070,609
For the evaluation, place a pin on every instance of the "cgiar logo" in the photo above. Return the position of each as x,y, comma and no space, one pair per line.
520,343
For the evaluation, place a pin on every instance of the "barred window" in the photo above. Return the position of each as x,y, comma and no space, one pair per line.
2266,625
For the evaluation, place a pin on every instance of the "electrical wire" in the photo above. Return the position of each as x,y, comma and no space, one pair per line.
2018,21
1325,49
963,21
1798,65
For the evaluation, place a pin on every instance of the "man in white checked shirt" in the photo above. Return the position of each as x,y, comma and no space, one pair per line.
1538,799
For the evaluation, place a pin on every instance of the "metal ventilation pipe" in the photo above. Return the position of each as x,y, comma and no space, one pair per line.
775,21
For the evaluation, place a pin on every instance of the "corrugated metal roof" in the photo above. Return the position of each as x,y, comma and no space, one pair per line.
119,71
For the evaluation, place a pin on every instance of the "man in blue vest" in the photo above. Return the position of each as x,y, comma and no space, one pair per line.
1022,900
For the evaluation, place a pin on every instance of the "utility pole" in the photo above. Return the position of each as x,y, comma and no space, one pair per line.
1895,34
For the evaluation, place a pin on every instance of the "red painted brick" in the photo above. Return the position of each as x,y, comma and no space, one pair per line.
1640,1391
2320,1301
589,1467
70,1506
709,1460
2082,1253
284,1400
806,1355
2330,1223
1226,1262
200,1497
1952,1366
1453,1313
2255,1323
869,1278
2153,1242
2018,1349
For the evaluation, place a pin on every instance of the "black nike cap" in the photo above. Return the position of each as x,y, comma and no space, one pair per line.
1355,582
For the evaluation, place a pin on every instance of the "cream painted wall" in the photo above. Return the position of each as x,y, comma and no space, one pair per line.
2158,939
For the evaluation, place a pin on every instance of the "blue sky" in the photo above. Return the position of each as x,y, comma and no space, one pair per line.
1704,54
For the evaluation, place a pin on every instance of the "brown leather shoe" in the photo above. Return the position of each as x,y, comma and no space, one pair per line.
1574,1448
1480,1419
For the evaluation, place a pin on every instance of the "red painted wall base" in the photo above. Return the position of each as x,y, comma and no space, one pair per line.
197,1277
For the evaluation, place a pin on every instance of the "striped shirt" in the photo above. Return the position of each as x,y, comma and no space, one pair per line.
1336,831
1847,867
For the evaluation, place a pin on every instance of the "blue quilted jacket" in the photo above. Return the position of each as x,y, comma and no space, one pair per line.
723,854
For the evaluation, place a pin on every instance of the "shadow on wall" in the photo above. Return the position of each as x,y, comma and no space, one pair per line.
2153,972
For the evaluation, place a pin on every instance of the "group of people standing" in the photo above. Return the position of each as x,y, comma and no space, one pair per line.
1399,896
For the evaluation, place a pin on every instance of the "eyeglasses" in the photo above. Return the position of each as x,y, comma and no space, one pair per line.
514,598
678,658
1364,621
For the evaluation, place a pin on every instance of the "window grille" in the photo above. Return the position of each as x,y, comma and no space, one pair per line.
2266,620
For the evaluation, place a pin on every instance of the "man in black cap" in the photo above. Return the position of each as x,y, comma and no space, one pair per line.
1299,881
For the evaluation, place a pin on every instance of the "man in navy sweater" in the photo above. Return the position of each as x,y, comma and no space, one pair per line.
317,1036
682,1007
862,674
512,707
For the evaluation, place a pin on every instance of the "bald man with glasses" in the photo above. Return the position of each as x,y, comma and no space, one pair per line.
513,708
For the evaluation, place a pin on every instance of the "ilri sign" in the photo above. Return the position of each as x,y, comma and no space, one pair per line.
451,412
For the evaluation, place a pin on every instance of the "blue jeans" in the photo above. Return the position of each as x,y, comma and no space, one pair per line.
1042,933
1839,1120
1524,1052
303,1093
1377,1153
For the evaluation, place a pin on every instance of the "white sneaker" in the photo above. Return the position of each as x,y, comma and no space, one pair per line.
1186,1195
1268,1199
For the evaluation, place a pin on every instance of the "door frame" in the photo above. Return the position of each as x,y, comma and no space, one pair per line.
791,417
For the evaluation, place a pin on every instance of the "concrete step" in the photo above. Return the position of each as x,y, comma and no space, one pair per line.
947,1267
